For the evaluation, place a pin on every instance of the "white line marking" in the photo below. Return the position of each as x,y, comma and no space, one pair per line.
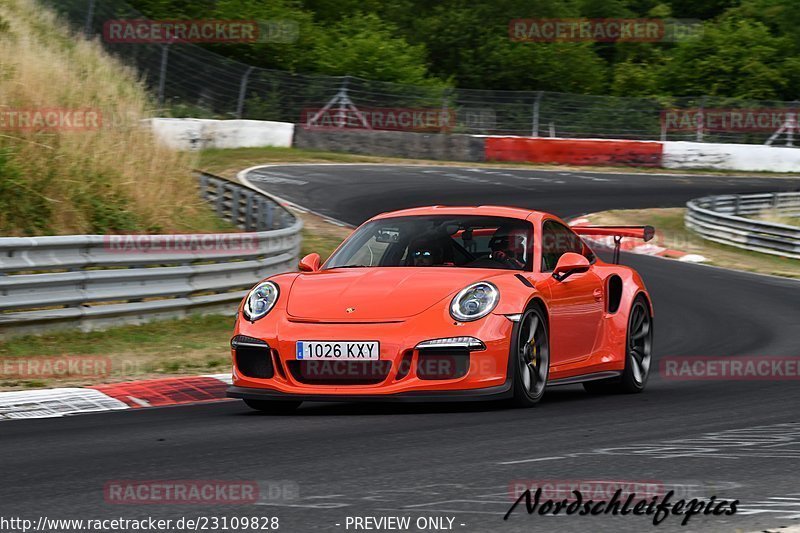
554,458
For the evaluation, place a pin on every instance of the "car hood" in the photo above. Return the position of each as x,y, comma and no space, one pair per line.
376,293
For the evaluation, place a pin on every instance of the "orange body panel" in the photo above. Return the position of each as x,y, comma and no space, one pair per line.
402,306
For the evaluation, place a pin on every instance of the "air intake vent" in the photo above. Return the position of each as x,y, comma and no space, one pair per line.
253,357
442,364
614,291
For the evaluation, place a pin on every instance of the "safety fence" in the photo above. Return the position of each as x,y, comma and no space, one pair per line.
193,81
92,281
723,219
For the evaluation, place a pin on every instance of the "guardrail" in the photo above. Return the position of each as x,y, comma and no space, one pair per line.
719,219
91,281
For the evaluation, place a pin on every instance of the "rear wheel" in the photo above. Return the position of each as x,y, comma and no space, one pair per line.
276,407
532,358
638,356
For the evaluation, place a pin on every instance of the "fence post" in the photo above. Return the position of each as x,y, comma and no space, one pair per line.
243,92
701,120
535,124
162,77
87,29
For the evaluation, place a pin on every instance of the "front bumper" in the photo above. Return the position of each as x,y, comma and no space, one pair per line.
500,392
485,378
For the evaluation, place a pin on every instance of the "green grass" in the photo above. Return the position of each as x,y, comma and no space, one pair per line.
671,233
194,345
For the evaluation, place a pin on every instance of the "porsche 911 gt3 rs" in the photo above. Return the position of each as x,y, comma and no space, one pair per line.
446,303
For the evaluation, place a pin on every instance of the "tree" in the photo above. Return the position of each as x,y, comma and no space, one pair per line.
732,58
363,45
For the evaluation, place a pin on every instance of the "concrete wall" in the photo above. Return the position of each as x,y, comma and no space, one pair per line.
198,134
745,157
195,134
574,151
451,147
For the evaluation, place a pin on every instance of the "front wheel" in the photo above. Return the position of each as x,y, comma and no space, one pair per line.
275,407
638,353
532,358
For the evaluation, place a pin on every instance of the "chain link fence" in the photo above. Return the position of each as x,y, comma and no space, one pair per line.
192,81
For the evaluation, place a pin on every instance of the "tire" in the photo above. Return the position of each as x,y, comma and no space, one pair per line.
531,354
638,354
275,407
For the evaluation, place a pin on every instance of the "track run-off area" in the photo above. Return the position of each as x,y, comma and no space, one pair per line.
729,439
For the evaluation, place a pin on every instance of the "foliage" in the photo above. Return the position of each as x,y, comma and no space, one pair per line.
748,48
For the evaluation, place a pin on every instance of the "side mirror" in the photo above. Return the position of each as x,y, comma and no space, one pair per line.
309,263
568,264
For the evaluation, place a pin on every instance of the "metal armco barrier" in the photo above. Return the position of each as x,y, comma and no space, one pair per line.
93,281
719,219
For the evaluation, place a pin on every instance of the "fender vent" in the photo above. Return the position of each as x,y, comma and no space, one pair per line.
614,291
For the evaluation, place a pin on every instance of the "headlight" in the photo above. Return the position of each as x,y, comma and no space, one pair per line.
474,302
260,300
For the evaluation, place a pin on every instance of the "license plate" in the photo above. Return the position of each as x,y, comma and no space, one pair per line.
338,350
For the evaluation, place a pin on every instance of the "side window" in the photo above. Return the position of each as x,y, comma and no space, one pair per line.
558,239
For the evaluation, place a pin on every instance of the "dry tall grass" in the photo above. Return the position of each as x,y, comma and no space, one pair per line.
113,179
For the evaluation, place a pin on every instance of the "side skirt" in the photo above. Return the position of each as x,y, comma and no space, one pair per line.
586,377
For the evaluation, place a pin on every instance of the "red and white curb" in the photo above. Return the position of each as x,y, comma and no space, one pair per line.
50,403
636,248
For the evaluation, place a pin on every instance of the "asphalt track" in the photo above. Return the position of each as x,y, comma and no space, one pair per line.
735,440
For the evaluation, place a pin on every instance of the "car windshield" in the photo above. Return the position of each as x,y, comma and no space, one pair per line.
438,241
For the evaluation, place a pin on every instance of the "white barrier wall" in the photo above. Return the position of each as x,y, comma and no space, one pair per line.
747,157
198,134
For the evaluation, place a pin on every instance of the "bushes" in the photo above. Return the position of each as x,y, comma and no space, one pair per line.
110,178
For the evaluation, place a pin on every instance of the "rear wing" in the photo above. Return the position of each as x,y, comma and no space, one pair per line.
618,232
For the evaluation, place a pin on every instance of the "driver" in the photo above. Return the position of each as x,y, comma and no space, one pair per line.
508,247
426,253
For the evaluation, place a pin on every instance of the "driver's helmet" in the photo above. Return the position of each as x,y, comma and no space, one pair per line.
425,252
511,241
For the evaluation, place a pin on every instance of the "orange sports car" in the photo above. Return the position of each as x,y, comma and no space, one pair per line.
447,303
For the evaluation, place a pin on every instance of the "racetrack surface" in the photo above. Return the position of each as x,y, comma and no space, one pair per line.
735,440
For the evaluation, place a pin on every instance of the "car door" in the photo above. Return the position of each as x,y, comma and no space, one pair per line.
576,303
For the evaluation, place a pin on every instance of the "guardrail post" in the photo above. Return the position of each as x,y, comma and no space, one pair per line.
259,214
269,215
203,186
220,205
236,207
248,211
736,201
